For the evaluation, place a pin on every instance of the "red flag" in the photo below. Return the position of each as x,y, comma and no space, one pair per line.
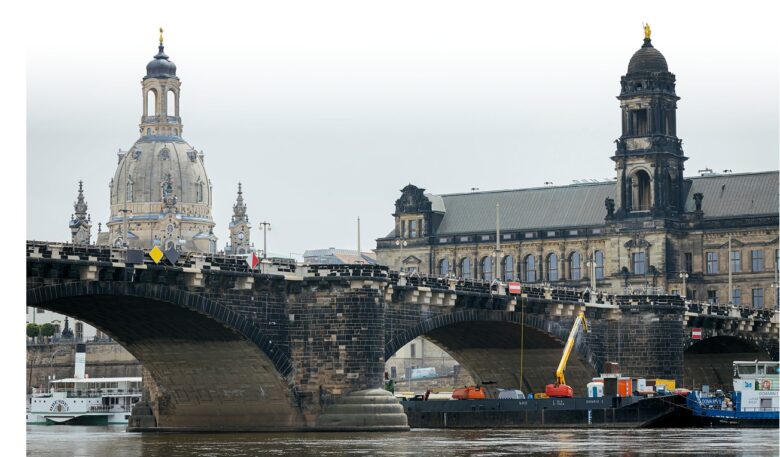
515,287
252,260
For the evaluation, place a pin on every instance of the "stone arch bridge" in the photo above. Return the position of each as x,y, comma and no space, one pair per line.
283,347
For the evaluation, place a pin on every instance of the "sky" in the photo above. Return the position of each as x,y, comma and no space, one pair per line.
325,110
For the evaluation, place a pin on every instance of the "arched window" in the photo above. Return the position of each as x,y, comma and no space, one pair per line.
670,199
465,268
487,268
170,103
151,102
552,267
530,268
599,256
444,267
198,191
640,191
574,266
508,268
129,190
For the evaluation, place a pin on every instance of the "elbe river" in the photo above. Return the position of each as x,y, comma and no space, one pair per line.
113,441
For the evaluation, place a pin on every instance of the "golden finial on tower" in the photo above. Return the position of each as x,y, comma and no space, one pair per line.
646,26
161,38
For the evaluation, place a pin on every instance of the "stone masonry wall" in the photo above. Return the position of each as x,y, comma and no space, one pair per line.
645,342
336,340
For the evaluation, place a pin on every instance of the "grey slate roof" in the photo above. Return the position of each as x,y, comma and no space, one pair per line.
736,194
580,205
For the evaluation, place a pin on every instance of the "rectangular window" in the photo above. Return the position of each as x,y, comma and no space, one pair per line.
443,240
712,263
689,262
596,231
599,265
676,292
485,238
712,296
736,261
403,229
412,229
464,238
757,260
551,233
393,372
507,236
572,232
638,261
529,234
413,350
736,296
758,298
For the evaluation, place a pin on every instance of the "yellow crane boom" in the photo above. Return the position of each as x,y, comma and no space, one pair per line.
559,377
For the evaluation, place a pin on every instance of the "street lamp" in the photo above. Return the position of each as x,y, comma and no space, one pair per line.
400,242
266,227
684,276
591,263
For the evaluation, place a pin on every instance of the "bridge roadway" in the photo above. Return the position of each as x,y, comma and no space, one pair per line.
291,347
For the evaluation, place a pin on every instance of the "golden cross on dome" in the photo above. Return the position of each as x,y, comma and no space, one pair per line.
161,37
646,27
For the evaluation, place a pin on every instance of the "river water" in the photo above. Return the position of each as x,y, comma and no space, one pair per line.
113,441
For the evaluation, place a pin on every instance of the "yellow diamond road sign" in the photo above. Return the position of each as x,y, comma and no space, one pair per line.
156,254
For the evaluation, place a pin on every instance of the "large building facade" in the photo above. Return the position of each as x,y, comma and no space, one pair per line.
711,237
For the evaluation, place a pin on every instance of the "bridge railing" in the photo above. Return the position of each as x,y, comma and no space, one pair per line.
530,291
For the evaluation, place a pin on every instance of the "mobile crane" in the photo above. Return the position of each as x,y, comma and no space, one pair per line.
560,389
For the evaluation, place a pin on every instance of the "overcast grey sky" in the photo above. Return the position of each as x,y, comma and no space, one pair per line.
326,110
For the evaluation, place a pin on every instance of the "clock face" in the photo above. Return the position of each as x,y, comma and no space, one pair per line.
169,228
240,235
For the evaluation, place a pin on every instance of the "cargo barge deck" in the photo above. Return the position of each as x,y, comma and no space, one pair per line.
601,412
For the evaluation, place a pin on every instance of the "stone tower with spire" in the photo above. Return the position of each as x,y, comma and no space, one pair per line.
649,157
80,221
239,228
160,193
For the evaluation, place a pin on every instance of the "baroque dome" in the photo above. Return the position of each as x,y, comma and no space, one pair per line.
152,162
648,59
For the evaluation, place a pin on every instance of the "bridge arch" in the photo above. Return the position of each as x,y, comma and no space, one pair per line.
486,343
709,360
202,356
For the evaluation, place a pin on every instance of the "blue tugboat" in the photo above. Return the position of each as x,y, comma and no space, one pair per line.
755,401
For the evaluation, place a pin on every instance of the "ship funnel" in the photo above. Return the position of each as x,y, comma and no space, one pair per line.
81,360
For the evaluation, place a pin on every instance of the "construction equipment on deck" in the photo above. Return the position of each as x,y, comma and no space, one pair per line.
560,389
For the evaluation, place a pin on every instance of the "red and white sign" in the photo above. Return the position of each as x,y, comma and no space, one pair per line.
252,260
515,287
696,333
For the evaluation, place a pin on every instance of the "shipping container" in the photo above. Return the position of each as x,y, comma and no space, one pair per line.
625,388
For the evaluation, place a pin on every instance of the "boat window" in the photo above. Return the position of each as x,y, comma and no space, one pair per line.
772,369
747,369
760,369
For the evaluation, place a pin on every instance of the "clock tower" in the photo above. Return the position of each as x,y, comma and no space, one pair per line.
239,228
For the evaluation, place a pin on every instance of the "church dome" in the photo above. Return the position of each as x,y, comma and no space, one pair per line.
160,66
648,59
154,162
